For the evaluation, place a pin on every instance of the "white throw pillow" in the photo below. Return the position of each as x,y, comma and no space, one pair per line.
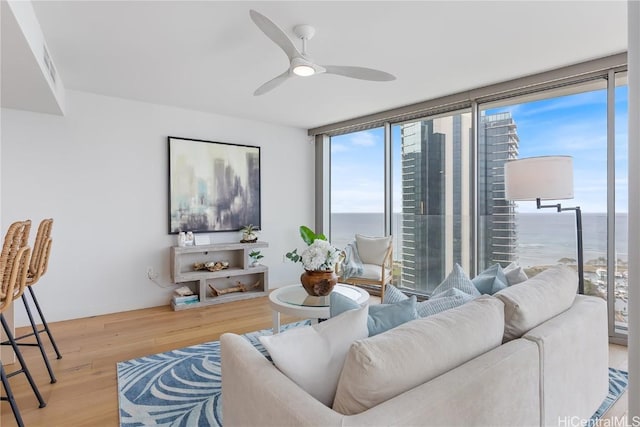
515,274
312,356
372,249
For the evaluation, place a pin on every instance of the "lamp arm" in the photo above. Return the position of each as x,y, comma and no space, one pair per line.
578,238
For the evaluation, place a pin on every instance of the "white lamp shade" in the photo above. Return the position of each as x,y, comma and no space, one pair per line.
544,178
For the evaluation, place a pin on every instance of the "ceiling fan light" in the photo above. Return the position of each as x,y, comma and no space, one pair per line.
303,70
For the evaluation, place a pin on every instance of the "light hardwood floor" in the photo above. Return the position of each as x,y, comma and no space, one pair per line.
85,394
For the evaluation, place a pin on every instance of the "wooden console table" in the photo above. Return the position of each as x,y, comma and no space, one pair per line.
236,254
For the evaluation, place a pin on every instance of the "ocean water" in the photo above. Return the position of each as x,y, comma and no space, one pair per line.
543,238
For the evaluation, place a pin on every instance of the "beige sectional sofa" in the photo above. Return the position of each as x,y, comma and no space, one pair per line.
534,354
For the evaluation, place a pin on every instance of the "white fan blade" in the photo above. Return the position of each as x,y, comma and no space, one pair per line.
274,32
276,81
361,73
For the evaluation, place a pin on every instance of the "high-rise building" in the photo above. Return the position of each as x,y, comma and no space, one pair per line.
436,196
497,241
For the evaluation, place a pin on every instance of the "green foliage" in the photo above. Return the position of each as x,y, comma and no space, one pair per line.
248,229
256,255
308,236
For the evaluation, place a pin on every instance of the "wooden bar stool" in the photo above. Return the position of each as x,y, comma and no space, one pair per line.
16,280
14,265
37,267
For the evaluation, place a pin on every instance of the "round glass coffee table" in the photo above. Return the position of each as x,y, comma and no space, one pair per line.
294,301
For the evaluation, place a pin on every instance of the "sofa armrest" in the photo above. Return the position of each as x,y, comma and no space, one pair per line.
255,392
574,351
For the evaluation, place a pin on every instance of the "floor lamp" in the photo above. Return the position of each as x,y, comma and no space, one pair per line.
545,178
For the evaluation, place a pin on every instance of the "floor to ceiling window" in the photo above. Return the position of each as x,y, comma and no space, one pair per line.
357,185
573,124
431,204
440,191
620,276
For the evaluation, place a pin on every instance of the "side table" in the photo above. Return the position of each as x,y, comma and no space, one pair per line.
294,300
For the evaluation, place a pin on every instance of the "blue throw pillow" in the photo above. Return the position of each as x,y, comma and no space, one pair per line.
443,301
490,280
382,317
393,295
457,279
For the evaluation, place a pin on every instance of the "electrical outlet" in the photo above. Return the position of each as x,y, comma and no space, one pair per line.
151,274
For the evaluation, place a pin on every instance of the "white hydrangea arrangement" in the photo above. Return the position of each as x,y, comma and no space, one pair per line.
319,255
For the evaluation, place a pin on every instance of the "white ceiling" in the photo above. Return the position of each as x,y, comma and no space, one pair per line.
209,56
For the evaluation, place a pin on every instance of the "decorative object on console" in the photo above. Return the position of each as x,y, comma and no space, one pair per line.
319,261
255,257
545,178
229,196
188,241
248,234
239,288
211,265
183,291
182,239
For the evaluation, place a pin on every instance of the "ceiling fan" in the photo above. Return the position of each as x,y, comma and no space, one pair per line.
300,63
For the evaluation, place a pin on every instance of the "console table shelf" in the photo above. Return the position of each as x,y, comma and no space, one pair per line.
239,271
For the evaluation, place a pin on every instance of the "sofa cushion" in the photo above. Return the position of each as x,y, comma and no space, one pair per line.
312,356
515,274
528,304
458,279
372,249
382,317
378,368
490,280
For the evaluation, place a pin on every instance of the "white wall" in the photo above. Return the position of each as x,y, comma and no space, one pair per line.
101,173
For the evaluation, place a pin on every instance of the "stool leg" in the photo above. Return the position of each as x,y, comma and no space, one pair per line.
44,323
36,333
23,365
10,398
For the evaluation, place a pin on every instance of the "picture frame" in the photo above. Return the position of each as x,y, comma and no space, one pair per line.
213,186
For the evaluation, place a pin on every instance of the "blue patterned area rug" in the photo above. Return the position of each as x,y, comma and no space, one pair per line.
183,387
177,388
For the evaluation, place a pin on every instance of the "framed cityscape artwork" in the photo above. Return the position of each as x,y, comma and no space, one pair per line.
213,186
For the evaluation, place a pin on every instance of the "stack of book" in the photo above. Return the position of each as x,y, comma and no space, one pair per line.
181,300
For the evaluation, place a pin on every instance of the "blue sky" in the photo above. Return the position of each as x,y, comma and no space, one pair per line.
570,125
